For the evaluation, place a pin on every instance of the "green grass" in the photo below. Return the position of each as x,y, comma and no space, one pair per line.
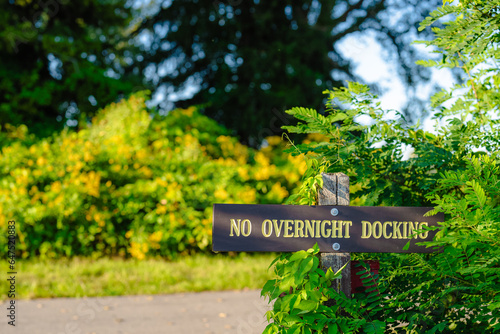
114,277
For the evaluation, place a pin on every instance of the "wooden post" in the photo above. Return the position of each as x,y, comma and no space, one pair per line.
335,191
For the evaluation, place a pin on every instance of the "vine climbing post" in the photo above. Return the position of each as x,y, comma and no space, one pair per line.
335,191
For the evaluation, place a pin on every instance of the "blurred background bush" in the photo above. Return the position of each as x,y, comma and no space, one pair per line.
133,184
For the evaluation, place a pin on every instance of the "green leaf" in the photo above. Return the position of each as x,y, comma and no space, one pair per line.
339,272
340,116
300,255
333,329
306,306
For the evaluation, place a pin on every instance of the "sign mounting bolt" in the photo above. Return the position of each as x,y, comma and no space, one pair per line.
334,211
336,246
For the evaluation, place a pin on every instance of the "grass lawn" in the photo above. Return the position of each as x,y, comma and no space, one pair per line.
113,277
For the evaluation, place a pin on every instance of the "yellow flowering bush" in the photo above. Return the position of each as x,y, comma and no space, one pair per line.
133,183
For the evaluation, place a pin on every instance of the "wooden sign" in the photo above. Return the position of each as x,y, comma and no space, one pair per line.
287,228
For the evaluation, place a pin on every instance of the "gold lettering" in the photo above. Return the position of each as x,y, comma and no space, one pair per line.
309,228
337,227
324,230
405,230
240,227
318,226
425,234
366,230
396,232
347,224
411,229
377,234
287,228
277,230
387,235
235,228
247,223
299,229
270,228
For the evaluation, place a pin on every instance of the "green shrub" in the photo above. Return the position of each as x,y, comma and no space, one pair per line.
301,291
455,169
132,184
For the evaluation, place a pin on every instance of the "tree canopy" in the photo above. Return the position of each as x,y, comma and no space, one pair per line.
251,60
60,60
246,61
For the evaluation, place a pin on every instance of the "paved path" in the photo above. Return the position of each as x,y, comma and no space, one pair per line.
240,312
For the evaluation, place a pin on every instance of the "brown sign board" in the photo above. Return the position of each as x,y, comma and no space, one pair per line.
287,228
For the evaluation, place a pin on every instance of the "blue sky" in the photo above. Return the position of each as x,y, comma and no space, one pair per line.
373,67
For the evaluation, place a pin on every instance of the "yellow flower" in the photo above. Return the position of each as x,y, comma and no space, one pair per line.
221,194
156,236
279,191
116,168
243,173
292,177
264,172
315,137
33,190
141,154
87,156
190,140
189,111
41,161
78,166
161,209
161,183
98,217
299,162
138,250
56,186
146,171
261,159
248,196
21,176
273,140
59,199
241,153
92,182
173,191
74,157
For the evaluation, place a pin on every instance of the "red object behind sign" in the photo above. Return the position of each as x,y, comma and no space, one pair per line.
356,281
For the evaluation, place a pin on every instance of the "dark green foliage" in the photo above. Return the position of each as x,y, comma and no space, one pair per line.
254,59
300,291
60,60
455,169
